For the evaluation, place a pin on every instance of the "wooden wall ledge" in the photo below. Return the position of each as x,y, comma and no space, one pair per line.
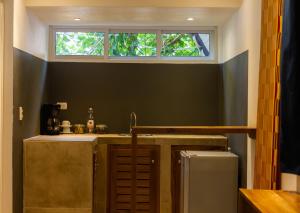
195,130
268,201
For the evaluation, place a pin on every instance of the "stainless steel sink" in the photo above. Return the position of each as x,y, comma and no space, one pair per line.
127,134
124,134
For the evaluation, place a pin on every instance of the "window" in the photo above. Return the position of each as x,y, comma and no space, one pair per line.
193,45
132,44
185,45
79,43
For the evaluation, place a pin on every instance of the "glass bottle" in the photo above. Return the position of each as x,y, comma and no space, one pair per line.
90,123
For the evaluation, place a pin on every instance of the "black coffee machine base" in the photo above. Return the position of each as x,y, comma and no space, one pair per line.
49,123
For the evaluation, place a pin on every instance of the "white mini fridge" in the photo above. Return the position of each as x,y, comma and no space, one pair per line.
209,182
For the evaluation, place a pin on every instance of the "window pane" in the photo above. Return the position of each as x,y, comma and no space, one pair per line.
132,44
185,44
80,43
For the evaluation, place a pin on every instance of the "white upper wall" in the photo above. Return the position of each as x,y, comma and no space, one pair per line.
239,34
30,34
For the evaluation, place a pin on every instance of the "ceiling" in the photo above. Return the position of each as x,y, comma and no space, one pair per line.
134,12
135,3
132,16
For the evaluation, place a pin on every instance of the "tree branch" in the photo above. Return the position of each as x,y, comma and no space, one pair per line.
200,43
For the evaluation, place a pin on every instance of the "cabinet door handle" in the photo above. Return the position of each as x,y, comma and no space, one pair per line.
152,161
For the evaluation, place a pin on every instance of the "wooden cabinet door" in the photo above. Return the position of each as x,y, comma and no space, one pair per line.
134,179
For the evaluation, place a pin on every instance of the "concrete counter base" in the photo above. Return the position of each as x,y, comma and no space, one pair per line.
97,145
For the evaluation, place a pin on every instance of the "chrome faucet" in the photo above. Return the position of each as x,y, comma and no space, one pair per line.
132,121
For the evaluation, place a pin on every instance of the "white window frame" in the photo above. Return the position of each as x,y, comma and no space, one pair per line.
213,47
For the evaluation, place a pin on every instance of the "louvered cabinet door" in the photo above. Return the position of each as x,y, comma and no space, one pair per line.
121,174
147,179
134,179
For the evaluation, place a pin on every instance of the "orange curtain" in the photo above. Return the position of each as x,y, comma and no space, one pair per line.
267,140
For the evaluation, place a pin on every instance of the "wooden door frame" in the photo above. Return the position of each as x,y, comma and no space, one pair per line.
6,108
1,90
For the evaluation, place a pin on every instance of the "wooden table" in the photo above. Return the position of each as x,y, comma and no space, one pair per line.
269,201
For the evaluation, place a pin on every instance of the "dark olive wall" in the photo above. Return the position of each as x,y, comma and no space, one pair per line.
160,94
29,92
234,99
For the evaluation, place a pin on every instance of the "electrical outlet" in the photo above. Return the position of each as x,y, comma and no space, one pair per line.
21,113
63,105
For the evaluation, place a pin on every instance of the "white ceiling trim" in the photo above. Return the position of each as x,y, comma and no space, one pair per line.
119,16
136,3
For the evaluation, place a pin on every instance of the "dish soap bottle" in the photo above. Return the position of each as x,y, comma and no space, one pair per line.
90,123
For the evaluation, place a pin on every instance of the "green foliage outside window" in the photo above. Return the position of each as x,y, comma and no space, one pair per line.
184,45
132,44
80,43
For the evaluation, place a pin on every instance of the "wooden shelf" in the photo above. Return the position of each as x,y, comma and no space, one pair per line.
197,130
268,201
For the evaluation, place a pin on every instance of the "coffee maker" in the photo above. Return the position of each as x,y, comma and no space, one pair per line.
49,123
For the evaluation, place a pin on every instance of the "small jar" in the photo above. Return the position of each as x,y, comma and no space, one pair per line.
79,128
101,129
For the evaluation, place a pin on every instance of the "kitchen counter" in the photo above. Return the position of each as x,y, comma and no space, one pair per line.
218,140
62,138
80,163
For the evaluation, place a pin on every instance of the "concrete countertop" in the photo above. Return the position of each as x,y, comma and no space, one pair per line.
63,138
126,139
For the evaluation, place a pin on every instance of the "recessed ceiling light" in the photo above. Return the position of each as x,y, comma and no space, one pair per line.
77,19
190,19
